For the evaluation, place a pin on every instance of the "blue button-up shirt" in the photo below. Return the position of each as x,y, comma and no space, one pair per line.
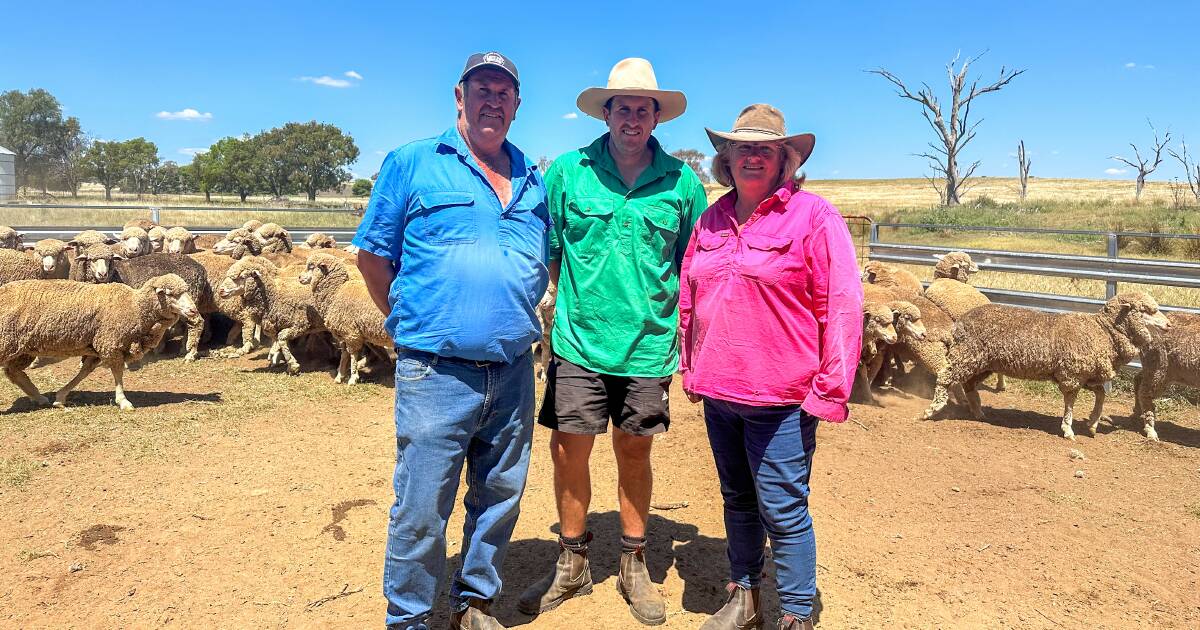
469,272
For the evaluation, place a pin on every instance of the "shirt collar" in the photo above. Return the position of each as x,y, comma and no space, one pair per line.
776,201
660,165
453,140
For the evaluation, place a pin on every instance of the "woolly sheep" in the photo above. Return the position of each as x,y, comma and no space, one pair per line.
135,272
1173,357
158,235
251,225
179,240
144,224
245,320
954,265
55,257
91,237
285,307
951,292
320,240
108,324
93,263
1074,350
10,238
878,330
274,238
902,282
347,311
135,242
49,263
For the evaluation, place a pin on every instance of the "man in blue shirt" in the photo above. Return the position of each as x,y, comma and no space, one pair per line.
453,251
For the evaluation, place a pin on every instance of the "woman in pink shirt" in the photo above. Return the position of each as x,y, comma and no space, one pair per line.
770,322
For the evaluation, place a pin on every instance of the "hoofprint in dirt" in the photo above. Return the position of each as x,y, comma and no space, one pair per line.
238,497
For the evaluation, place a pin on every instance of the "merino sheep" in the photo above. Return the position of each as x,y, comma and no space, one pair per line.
954,265
951,292
50,263
1074,350
93,263
179,240
347,311
91,237
878,329
251,225
1173,357
246,321
144,224
320,240
157,235
10,238
274,239
900,281
135,272
206,241
109,324
55,257
285,308
135,242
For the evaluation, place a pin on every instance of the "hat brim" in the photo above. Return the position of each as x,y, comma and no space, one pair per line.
803,143
671,104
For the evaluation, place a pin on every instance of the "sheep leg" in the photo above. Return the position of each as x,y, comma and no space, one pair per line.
86,365
235,333
354,349
972,395
21,379
343,368
118,372
1148,385
1069,391
281,347
194,330
1097,411
1000,384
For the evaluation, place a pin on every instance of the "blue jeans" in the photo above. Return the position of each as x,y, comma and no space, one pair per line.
763,456
451,411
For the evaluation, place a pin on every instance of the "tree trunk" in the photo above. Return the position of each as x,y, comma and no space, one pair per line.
207,196
312,194
1141,183
952,182
108,193
243,195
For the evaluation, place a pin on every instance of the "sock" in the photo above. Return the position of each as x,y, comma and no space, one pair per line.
577,544
629,544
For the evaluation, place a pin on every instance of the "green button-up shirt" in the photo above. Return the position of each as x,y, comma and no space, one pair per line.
620,251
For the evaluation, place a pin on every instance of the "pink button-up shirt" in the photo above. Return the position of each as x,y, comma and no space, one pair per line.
771,311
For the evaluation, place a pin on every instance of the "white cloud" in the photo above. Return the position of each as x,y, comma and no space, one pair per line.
1054,152
1145,66
1114,171
836,172
353,75
192,150
381,152
328,81
1131,65
570,116
184,114
1148,66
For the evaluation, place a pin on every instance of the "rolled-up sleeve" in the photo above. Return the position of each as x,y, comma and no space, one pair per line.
686,309
555,200
837,304
381,231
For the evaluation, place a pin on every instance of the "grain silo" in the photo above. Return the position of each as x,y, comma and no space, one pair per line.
8,175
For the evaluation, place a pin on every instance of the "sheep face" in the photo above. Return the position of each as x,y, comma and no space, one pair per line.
955,265
907,320
135,241
872,270
319,240
98,261
52,253
316,267
1135,313
173,295
878,324
157,236
10,238
179,241
236,282
252,225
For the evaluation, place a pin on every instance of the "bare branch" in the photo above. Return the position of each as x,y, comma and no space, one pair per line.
1121,159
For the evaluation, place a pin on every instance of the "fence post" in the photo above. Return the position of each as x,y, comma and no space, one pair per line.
154,215
1110,288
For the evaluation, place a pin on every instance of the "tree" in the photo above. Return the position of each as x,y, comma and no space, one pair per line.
141,157
1146,165
31,124
319,153
1023,163
204,175
273,162
543,165
166,179
361,188
236,170
1191,170
694,159
955,130
105,162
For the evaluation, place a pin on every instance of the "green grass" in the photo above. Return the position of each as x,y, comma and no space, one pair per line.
16,471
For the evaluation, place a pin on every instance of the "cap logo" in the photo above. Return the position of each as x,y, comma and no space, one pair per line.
493,58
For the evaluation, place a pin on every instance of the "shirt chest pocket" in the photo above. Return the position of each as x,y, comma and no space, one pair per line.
660,230
448,217
765,258
589,225
524,225
712,256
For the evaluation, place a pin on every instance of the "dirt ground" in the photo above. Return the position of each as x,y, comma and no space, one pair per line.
235,497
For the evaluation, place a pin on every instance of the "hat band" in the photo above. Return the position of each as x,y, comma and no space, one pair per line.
770,132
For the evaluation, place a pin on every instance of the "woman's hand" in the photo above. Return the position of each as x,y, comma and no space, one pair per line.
692,396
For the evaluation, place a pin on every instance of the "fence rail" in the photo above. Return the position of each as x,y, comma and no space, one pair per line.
66,233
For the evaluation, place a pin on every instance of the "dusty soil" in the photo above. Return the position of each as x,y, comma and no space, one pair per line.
181,514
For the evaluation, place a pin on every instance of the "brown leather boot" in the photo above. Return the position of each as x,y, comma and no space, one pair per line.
740,611
633,583
790,622
572,575
475,616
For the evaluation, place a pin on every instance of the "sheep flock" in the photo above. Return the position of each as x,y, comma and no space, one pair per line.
111,299
962,339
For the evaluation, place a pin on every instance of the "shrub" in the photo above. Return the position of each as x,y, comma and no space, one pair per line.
361,188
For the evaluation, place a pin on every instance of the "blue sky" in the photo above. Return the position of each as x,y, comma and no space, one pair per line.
1095,72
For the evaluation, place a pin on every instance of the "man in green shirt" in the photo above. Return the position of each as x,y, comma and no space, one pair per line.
622,211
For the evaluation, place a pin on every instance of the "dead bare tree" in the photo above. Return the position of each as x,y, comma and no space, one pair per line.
1191,170
1023,163
953,131
1145,166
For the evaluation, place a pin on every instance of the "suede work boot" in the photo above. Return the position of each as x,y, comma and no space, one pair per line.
475,617
572,575
740,611
790,622
633,583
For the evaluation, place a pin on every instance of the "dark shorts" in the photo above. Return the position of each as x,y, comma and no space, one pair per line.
581,401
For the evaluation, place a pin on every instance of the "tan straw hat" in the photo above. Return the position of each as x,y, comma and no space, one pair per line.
762,123
632,77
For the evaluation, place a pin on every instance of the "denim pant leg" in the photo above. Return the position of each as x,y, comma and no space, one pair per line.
744,533
497,463
438,406
779,443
